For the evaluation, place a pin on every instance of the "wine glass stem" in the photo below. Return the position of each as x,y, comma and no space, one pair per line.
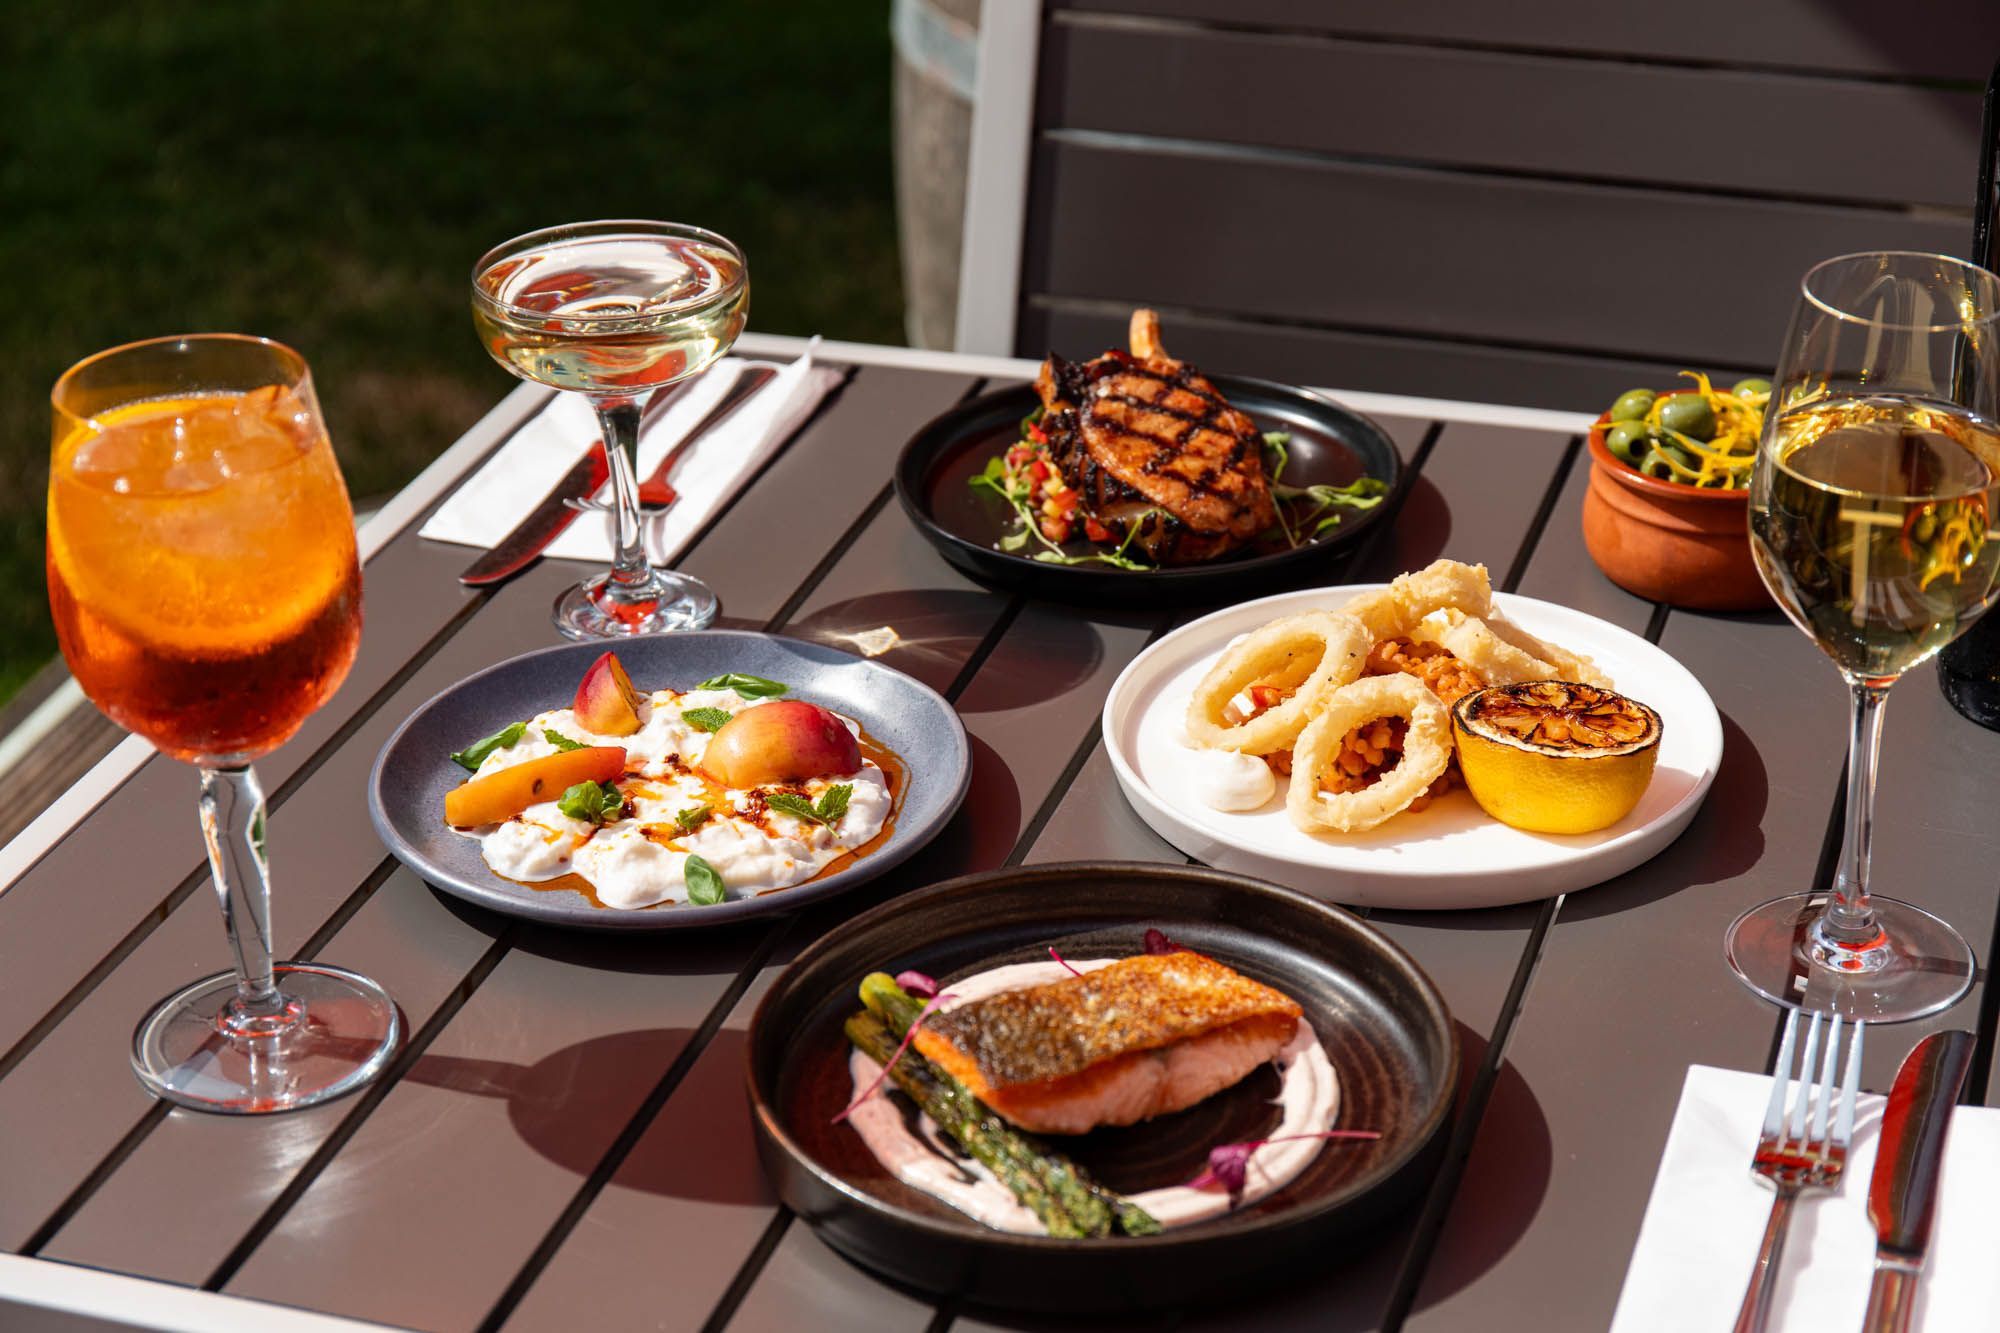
232,823
631,573
1849,920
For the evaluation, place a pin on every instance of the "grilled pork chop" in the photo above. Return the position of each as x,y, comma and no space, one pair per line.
1119,1044
1141,431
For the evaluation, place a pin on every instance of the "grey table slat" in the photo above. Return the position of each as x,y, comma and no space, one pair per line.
808,1286
1789,34
1504,258
1566,117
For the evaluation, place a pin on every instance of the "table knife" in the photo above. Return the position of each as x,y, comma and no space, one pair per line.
1903,1193
554,512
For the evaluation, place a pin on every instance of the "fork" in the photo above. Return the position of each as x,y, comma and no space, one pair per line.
654,492
1795,1156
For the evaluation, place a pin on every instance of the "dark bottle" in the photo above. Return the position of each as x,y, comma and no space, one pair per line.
1969,671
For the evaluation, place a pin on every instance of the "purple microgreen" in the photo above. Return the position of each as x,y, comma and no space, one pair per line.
1064,961
916,983
1229,1163
901,1046
1159,942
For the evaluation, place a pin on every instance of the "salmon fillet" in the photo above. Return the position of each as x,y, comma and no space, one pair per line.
1140,1038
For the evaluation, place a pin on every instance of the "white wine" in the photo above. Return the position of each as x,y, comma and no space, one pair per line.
611,313
1869,518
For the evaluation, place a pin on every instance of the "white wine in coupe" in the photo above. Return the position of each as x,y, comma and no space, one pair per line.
1873,530
616,314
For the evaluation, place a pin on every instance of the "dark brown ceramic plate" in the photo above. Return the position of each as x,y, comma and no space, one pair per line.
1381,1020
1330,445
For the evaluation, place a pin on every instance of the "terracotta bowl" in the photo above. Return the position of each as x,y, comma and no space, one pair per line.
1667,542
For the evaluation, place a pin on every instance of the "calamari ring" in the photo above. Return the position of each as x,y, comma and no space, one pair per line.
1393,612
1312,654
1568,665
1469,639
1426,751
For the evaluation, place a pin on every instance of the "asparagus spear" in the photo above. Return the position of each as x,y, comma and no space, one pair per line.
1083,1197
921,1080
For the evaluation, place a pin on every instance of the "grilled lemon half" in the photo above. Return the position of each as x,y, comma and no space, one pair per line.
1554,756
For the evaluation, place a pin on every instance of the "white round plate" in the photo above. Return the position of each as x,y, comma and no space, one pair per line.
1451,855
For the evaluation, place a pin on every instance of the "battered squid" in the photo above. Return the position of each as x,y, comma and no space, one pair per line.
1310,655
1393,612
1427,748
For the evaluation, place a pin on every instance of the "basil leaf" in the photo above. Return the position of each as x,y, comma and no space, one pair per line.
562,742
750,687
592,802
704,884
833,803
793,804
705,719
693,817
472,756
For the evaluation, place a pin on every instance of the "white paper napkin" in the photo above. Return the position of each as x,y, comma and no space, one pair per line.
487,505
1701,1231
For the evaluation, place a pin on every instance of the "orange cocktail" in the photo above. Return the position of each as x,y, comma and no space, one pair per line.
204,585
202,569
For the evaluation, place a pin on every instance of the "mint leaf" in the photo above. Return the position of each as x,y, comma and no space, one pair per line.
833,803
705,719
704,884
472,756
693,817
562,742
795,805
750,687
592,802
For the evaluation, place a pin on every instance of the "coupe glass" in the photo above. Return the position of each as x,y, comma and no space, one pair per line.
1870,508
616,311
205,590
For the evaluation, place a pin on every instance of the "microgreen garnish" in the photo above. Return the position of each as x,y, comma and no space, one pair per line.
1229,1164
472,756
1303,524
932,1003
704,883
832,804
1064,961
750,687
562,742
694,817
592,802
705,719
1159,942
1011,484
916,983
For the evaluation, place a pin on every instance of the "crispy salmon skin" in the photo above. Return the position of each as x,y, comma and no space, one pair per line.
1138,1038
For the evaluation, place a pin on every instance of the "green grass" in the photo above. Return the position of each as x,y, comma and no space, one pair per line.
326,173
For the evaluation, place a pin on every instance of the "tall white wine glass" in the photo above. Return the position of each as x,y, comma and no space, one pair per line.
1870,517
616,311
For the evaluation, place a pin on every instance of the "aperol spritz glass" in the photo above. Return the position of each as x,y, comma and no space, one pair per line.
616,311
206,591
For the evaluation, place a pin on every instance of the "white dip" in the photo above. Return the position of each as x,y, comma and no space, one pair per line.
640,859
1229,779
1308,1098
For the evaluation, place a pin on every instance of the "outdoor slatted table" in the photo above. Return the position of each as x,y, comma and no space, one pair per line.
564,1142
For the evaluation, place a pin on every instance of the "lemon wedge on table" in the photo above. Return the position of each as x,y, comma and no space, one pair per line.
1553,756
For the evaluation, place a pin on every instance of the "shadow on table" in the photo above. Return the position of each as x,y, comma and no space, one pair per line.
1725,839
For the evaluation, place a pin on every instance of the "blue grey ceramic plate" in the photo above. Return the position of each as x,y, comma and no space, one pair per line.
414,771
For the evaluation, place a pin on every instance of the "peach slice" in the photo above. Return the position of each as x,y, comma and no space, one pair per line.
508,792
786,740
606,703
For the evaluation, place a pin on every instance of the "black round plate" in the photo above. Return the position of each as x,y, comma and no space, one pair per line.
1330,445
1381,1020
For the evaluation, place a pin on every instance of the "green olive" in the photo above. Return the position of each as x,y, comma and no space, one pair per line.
1689,414
1627,441
1750,388
1925,527
1633,404
1655,464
